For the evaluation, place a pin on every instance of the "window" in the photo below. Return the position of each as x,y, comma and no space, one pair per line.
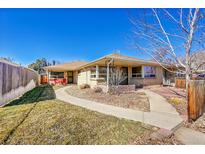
93,72
57,75
180,74
102,72
149,71
137,72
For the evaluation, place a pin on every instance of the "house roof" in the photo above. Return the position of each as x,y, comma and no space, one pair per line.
120,60
66,66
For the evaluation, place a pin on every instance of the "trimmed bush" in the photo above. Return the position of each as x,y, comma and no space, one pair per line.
97,89
84,86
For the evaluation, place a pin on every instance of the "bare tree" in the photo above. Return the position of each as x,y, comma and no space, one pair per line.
117,76
171,37
198,62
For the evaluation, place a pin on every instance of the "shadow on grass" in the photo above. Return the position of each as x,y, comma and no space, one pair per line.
40,93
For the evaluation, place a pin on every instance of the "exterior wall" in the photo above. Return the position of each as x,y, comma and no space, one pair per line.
147,81
83,77
75,77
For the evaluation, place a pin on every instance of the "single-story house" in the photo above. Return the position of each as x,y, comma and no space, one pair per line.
98,72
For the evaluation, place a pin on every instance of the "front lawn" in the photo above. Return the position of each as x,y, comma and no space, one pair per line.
39,118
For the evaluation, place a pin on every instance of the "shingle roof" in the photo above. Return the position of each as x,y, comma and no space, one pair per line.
66,66
116,56
80,64
119,56
122,57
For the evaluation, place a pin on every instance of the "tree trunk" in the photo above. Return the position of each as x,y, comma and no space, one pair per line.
188,50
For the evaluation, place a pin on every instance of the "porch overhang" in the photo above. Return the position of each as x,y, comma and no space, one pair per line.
120,62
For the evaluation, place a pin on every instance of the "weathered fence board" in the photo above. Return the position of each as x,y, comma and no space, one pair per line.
180,83
15,80
196,99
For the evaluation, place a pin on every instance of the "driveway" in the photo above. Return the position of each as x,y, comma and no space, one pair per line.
161,114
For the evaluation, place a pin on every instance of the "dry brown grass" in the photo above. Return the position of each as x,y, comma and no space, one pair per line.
54,122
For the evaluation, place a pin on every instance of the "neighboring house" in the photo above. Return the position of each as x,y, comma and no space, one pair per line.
97,73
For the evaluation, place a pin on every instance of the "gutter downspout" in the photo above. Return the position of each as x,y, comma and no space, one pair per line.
108,72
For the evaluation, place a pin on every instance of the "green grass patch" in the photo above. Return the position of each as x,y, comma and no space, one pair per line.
54,122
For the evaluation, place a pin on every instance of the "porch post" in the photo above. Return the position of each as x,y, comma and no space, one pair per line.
108,75
142,71
97,71
108,72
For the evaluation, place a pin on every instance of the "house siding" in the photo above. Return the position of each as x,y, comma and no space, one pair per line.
75,77
84,78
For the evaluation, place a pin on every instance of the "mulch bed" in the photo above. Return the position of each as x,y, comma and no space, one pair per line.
133,100
175,96
198,125
148,139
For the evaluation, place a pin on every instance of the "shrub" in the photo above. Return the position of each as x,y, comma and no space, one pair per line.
97,89
176,101
84,86
114,90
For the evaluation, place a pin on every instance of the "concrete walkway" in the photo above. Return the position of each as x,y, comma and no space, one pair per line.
162,114
190,137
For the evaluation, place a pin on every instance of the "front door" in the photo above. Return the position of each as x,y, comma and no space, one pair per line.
125,74
70,77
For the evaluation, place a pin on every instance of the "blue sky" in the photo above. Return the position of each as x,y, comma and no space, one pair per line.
64,34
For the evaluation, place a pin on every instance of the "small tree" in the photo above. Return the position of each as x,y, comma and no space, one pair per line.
38,65
171,36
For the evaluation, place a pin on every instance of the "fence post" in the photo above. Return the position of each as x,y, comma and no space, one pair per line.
189,103
196,99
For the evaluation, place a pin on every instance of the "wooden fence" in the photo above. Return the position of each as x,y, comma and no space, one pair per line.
196,99
180,83
15,80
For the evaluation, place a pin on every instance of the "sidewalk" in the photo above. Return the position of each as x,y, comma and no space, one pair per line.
161,115
190,137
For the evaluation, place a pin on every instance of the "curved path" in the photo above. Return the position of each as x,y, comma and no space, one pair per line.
161,114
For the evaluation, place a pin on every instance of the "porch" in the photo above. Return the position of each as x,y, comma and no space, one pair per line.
63,73
138,75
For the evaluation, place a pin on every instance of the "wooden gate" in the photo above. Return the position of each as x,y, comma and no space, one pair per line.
44,79
180,83
196,99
